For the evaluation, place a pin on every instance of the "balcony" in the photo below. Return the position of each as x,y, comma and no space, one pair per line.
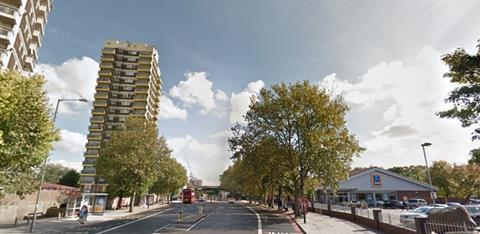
95,128
143,75
91,153
98,112
107,59
104,73
8,13
142,83
105,88
106,65
94,136
101,96
93,144
144,91
97,119
100,103
108,51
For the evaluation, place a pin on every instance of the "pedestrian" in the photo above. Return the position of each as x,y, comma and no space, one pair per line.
404,205
280,205
83,214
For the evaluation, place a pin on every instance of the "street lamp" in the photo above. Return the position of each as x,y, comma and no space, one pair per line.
428,170
45,161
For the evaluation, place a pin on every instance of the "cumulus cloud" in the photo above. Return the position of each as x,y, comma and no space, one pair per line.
74,78
240,102
168,109
196,89
406,93
71,142
207,160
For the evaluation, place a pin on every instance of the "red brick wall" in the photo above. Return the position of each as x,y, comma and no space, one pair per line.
414,194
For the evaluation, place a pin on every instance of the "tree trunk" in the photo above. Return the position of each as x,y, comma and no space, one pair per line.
132,200
119,203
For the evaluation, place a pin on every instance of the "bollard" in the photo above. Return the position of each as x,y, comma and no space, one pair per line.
180,215
59,216
329,207
376,217
354,213
15,222
200,210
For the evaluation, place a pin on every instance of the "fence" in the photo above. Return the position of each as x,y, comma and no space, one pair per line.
441,227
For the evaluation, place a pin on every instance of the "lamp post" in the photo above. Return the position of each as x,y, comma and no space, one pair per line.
428,170
32,226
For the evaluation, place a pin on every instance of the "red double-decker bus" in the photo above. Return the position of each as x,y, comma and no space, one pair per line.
188,196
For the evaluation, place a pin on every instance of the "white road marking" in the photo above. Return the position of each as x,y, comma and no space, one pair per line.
134,221
195,224
259,220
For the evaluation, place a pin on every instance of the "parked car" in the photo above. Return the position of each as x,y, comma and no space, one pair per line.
201,199
474,212
474,201
439,205
409,217
393,204
453,204
416,202
371,204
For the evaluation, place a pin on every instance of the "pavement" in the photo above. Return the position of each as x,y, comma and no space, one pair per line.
318,223
217,217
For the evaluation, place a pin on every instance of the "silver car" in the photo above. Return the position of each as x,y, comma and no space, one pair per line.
409,217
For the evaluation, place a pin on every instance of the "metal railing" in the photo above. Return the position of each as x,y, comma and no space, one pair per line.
440,227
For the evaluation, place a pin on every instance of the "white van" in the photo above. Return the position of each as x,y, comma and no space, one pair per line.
416,202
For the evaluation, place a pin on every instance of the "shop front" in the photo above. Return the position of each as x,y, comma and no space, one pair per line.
374,186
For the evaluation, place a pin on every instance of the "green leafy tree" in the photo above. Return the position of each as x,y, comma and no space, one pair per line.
71,178
464,71
464,181
53,172
130,160
172,177
26,131
309,131
440,172
417,172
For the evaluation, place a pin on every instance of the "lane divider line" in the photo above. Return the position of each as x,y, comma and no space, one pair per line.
195,224
259,220
134,221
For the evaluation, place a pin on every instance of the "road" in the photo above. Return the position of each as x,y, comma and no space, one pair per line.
216,218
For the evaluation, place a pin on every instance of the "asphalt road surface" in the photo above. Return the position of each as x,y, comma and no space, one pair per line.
215,218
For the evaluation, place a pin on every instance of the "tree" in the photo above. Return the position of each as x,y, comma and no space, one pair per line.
308,129
417,172
172,177
130,160
464,71
465,181
26,131
71,178
441,172
53,172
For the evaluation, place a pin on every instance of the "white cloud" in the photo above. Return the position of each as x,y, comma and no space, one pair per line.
406,93
71,142
222,134
240,102
74,78
198,90
168,109
207,160
71,164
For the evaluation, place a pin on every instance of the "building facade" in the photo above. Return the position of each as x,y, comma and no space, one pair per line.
376,184
22,26
128,83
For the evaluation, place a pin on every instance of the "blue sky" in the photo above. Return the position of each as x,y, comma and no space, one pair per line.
383,57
